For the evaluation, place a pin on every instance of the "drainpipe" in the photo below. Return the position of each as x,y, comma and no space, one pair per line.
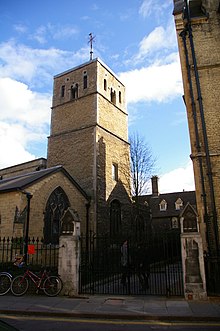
195,121
28,196
207,155
87,226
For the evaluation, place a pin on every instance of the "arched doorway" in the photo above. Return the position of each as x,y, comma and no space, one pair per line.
115,218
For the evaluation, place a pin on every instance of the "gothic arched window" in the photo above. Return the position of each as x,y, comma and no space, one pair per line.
115,218
57,203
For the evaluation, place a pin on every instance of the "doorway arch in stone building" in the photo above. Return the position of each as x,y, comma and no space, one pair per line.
56,205
115,218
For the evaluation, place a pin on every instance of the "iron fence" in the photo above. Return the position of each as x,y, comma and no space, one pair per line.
212,266
152,266
39,254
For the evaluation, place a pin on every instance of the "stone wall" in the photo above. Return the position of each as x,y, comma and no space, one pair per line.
89,134
205,31
41,192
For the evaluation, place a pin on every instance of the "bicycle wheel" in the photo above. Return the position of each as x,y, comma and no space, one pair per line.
5,282
19,285
52,286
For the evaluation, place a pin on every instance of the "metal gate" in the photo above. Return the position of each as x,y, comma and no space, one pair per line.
130,266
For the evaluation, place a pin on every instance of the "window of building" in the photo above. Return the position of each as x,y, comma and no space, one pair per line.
74,91
105,84
119,96
140,227
115,218
113,96
174,223
115,171
56,205
163,205
179,204
62,91
85,80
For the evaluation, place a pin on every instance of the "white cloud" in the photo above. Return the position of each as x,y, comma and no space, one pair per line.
50,31
18,103
20,28
36,66
154,7
159,39
13,140
24,119
158,82
177,180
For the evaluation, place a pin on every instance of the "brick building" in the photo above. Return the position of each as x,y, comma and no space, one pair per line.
198,34
167,208
87,146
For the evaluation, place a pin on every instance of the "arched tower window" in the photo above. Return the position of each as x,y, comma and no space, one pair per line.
57,203
105,84
113,96
74,91
85,80
62,91
115,218
119,96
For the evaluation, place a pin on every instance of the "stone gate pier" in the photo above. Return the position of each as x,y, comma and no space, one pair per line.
192,256
69,252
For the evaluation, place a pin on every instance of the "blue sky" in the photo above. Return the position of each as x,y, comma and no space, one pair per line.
135,38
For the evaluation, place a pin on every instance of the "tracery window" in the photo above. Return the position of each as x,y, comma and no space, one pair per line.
57,203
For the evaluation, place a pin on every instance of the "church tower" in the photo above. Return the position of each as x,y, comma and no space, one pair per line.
89,138
198,34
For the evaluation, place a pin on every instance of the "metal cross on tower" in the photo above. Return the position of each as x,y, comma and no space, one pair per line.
91,38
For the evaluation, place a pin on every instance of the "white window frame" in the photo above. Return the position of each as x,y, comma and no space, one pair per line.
163,205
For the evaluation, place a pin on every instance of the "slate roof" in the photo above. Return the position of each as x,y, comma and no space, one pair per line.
154,201
21,182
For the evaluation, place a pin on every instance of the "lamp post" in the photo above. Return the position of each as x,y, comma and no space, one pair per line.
28,196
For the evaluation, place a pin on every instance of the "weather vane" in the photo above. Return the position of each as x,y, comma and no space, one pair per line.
91,39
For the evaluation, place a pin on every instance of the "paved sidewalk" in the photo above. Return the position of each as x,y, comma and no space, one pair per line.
120,307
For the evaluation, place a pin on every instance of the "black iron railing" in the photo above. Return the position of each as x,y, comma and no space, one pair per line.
153,265
39,254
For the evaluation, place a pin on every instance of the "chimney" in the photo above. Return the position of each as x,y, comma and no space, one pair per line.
154,183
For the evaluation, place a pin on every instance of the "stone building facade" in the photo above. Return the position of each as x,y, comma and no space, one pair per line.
89,137
198,34
88,151
49,184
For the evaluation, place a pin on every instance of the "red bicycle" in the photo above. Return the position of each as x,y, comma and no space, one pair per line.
51,285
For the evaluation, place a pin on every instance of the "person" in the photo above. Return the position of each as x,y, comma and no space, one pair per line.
19,261
143,266
124,262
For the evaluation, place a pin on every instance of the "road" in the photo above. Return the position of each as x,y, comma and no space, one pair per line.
36,323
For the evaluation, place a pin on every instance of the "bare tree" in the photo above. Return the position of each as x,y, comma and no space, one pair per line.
142,164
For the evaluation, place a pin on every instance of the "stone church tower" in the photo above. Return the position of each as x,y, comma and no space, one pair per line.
198,33
89,138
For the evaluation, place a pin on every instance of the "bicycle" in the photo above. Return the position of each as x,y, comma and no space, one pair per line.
6,276
51,285
5,282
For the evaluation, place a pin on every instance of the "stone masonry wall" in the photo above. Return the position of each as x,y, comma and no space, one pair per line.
41,192
206,32
80,126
